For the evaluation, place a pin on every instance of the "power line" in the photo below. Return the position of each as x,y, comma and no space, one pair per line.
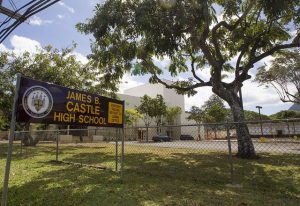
15,18
13,4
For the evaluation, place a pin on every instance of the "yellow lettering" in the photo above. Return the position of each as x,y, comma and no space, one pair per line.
76,107
78,96
83,97
86,119
69,106
72,96
83,108
68,96
97,110
56,116
89,99
97,100
64,117
80,119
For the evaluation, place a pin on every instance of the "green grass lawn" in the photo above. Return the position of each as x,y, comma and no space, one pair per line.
152,176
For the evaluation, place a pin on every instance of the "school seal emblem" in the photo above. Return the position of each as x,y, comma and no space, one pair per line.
37,101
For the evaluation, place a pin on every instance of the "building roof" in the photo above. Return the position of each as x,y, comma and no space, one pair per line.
295,107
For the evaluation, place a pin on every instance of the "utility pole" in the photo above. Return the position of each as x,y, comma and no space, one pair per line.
261,128
8,12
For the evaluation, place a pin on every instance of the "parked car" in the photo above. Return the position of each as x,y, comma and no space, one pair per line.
186,137
161,138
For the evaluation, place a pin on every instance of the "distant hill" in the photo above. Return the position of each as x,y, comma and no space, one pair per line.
295,107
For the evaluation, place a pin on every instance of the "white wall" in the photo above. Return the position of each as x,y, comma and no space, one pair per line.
132,96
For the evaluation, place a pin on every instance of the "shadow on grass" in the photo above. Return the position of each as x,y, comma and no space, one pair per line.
174,179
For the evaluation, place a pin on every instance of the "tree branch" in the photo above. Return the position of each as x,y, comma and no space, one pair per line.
271,52
193,68
179,88
228,27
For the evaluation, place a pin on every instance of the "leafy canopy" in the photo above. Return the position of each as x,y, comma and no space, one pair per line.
283,75
152,108
212,111
50,65
132,116
194,35
171,114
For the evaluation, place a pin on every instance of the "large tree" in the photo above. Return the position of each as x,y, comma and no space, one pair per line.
283,75
132,116
47,64
219,35
146,109
159,109
152,109
171,114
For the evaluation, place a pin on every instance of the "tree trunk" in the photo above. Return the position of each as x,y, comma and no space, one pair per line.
28,139
245,146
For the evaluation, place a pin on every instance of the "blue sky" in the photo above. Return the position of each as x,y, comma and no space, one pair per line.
56,26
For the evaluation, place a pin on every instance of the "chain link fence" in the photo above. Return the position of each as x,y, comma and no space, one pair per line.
205,153
97,148
273,137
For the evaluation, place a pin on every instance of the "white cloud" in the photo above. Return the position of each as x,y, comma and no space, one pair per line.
3,48
37,21
21,44
70,9
60,16
203,94
253,95
161,63
80,57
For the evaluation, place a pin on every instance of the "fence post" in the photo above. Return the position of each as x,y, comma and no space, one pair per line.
288,125
57,139
229,152
122,155
117,150
147,134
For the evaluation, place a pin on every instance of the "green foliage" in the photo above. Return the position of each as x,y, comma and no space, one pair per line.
149,175
50,65
283,75
132,116
213,100
212,111
171,114
286,114
4,125
152,108
130,34
215,114
254,116
196,114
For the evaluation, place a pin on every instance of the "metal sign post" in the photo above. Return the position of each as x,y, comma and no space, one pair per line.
10,144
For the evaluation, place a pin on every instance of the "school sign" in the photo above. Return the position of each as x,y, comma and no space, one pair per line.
40,102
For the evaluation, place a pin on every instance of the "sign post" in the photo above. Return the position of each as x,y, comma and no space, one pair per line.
10,143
